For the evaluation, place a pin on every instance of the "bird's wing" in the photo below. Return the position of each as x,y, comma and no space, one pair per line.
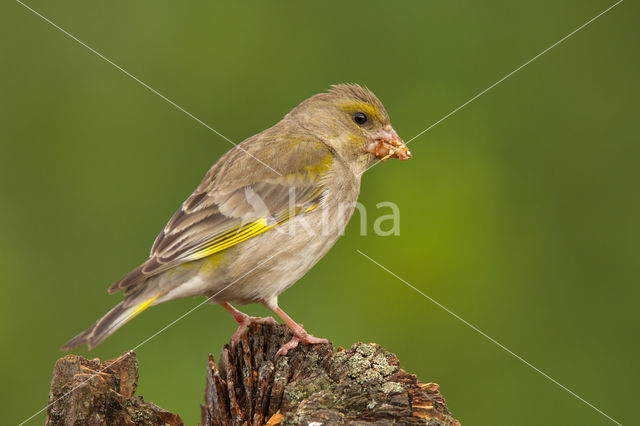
238,199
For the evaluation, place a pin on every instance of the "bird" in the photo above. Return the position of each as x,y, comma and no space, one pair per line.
263,215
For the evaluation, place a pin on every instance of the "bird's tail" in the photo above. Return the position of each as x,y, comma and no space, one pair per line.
113,320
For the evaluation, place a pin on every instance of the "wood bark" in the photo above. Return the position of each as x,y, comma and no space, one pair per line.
312,385
88,392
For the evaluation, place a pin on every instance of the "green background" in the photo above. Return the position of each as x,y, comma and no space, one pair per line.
519,212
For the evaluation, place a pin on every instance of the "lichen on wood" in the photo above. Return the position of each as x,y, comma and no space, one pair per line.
314,385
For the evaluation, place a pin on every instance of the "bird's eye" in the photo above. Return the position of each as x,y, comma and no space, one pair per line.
360,118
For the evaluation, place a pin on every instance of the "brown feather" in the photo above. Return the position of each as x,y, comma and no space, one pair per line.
220,202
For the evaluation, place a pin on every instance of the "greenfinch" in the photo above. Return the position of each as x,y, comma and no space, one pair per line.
264,214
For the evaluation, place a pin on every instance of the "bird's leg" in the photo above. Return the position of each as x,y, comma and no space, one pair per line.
244,321
299,333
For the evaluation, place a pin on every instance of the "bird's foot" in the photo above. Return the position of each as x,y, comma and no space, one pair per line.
245,321
299,336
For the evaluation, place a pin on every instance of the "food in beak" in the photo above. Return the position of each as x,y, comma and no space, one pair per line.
393,147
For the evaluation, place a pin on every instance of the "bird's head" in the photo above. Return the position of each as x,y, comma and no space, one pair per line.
352,121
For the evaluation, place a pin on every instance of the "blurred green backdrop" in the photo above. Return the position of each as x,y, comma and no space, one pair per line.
519,213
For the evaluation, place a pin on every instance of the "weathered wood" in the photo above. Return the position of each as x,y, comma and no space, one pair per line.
314,385
310,385
88,392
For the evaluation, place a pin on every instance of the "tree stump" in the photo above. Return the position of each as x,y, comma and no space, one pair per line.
311,385
314,385
88,392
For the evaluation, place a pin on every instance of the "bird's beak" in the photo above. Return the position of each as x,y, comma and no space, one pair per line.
387,144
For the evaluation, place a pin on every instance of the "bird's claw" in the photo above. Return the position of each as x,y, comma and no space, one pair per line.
245,322
296,339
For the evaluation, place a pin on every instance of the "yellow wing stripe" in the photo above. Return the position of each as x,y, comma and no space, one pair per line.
255,228
228,234
241,229
243,233
233,233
